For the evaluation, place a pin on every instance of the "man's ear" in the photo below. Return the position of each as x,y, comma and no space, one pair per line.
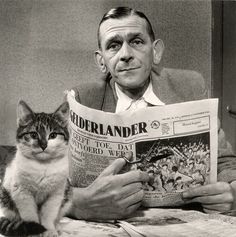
158,49
100,61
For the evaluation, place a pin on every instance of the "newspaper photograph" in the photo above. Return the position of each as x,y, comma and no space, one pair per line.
175,144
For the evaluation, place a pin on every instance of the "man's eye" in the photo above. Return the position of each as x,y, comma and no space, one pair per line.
34,135
114,46
137,42
53,135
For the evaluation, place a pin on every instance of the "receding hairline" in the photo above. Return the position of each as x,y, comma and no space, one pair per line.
128,13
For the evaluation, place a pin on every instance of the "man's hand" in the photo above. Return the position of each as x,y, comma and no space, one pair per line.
111,195
218,197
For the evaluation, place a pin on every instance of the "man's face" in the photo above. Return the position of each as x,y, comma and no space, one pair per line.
127,51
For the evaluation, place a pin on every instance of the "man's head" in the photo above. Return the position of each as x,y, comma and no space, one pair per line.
122,12
127,48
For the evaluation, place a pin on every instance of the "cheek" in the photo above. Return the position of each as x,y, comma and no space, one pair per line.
57,142
147,62
111,63
29,142
27,146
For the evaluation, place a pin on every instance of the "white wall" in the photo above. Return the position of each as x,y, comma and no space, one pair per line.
47,47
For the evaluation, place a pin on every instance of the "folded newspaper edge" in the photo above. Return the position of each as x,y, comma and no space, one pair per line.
175,144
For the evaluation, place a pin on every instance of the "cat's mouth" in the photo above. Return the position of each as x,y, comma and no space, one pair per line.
41,155
46,156
40,152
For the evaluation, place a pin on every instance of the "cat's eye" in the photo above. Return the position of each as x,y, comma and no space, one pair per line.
34,135
53,135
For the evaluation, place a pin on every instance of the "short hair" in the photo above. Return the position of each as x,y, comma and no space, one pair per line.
122,12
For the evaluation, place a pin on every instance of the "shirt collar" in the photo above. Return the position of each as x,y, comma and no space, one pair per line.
150,97
125,101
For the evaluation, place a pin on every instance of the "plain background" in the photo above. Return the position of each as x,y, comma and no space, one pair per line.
46,47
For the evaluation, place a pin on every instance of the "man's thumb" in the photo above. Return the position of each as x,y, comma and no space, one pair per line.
116,166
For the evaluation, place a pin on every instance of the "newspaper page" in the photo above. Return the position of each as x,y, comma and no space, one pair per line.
175,144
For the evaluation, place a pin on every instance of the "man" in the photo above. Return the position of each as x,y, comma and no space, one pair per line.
129,55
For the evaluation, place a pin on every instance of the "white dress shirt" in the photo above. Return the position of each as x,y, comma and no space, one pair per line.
126,103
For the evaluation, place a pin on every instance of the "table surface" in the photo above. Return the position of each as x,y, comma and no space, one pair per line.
157,222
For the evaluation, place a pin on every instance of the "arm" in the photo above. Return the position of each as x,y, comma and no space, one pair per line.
226,159
221,196
111,195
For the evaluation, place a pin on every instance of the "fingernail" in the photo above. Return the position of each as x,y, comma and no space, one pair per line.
184,195
129,155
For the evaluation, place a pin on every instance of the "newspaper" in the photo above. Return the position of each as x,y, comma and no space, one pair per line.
176,144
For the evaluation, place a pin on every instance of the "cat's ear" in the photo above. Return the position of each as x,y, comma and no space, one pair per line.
62,113
24,113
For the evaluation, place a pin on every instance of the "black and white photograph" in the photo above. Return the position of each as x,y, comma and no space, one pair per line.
175,164
121,58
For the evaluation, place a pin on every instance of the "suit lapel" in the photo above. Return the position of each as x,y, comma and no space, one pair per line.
110,98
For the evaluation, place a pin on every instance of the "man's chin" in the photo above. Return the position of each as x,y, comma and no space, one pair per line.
132,84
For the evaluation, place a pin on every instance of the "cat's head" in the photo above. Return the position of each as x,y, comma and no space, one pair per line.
42,136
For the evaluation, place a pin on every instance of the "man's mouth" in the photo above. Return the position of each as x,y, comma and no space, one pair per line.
128,69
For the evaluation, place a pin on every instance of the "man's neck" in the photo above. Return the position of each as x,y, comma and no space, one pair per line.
137,92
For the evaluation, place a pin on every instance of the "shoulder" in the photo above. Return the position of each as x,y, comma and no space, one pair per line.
187,84
91,93
180,76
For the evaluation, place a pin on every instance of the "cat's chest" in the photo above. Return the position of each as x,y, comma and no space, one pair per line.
41,177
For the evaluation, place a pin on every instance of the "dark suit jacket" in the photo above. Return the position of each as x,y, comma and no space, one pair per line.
170,86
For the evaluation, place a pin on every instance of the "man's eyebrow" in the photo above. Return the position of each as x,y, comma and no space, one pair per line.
115,38
132,35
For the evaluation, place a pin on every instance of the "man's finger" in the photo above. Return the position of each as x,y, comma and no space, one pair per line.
217,207
129,155
132,199
207,190
133,176
129,190
114,168
214,199
130,209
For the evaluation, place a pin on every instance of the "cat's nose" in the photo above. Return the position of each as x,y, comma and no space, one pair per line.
43,145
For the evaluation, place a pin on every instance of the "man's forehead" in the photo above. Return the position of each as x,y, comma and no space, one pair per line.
124,25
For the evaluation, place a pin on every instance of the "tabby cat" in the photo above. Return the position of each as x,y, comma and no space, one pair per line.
35,192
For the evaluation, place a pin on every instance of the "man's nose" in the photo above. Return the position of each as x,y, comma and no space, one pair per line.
126,53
